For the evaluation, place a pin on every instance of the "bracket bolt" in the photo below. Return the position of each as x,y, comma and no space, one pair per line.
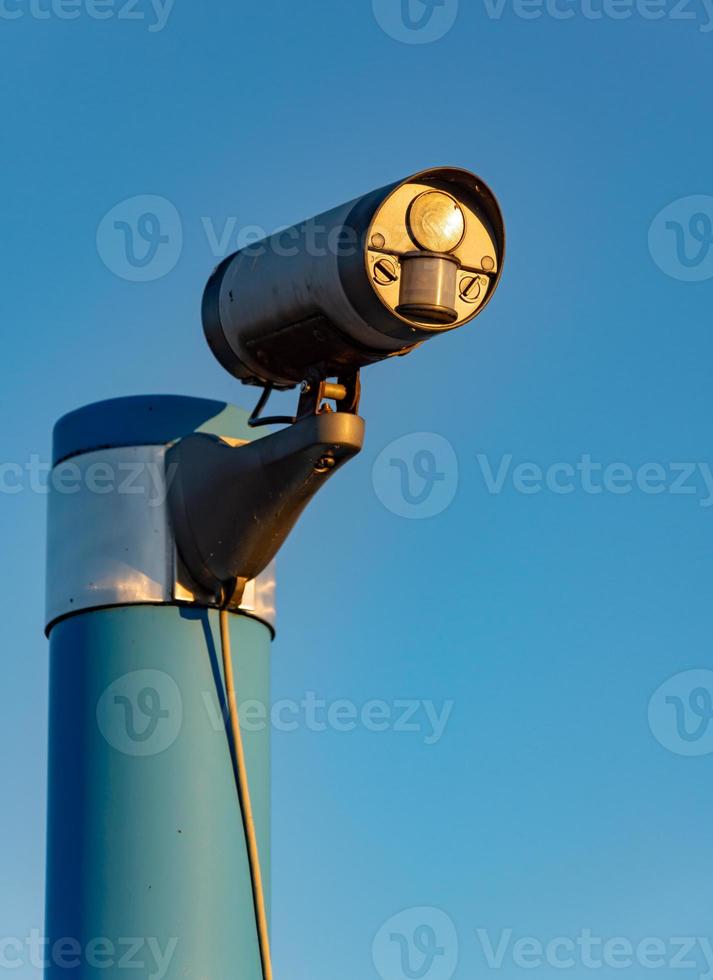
324,464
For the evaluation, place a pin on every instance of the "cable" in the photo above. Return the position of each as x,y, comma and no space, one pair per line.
255,418
241,779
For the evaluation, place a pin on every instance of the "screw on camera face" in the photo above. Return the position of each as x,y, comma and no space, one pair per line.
470,288
385,271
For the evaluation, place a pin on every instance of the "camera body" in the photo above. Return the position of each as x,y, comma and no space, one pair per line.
370,279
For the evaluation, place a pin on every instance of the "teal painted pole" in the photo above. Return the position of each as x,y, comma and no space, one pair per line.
147,865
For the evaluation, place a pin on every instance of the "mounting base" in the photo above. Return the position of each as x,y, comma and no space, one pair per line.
233,506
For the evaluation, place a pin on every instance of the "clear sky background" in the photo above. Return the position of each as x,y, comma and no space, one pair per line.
550,804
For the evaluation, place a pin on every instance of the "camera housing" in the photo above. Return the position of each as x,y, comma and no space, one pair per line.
370,279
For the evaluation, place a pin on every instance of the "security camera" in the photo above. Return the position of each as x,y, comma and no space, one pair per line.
370,279
322,299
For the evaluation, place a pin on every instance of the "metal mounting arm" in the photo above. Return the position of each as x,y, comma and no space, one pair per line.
233,506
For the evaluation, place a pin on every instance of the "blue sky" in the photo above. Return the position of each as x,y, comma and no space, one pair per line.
554,801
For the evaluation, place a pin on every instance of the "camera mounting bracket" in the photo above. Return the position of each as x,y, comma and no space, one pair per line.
314,395
232,506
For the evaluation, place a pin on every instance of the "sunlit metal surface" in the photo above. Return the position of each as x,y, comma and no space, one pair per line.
110,541
434,216
436,221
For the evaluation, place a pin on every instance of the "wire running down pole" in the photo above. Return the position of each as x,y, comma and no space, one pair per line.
243,786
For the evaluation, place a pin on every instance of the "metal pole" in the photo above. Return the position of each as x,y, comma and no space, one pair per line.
147,866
